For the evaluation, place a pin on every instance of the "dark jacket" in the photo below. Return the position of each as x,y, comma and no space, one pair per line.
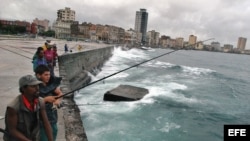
48,90
28,121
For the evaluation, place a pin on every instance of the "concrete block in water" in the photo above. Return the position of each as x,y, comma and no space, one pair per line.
125,93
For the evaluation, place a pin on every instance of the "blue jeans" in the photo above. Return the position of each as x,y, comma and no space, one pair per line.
43,134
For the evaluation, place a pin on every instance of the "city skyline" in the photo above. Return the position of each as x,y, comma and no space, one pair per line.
224,20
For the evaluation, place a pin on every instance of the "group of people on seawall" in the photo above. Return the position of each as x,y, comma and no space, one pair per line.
32,115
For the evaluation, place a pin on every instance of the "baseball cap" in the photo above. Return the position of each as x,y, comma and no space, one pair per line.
28,80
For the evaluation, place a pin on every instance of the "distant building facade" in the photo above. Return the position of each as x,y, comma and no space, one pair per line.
192,41
227,48
141,22
62,29
62,26
216,46
33,28
241,43
130,37
44,24
66,15
153,38
92,32
164,41
199,46
24,24
179,42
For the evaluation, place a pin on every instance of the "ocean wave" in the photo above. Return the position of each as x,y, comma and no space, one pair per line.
196,71
129,54
178,68
227,78
158,64
168,95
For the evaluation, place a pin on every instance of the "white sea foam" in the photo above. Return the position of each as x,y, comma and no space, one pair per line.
118,62
93,78
129,54
196,71
167,92
158,64
169,126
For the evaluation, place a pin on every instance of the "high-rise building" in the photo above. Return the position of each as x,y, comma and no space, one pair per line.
141,22
241,43
192,41
66,15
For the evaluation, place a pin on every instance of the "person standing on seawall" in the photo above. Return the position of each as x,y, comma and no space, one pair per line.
49,90
25,112
49,56
66,49
55,55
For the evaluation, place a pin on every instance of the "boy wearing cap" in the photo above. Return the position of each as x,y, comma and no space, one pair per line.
25,112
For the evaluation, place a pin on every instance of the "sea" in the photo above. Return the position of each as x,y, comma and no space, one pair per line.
192,95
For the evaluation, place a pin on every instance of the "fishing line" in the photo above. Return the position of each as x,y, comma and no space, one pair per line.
16,53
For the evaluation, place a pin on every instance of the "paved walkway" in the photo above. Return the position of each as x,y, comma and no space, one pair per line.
15,61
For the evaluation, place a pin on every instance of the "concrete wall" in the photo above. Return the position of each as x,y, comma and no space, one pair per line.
74,68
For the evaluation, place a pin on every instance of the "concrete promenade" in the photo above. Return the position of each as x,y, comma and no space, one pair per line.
15,61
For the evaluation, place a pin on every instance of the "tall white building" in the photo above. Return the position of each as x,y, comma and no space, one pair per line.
62,25
65,15
141,22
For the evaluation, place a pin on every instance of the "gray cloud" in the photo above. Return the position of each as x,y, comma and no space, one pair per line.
225,20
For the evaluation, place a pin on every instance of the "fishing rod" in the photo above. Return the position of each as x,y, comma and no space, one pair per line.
125,70
2,130
84,104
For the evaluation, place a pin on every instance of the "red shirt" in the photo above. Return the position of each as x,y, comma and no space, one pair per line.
28,104
49,55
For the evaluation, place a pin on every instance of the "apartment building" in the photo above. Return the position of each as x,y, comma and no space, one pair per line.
153,38
164,41
43,24
62,29
241,43
62,26
192,41
66,15
179,42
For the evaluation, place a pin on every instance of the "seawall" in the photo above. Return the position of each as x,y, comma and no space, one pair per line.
74,68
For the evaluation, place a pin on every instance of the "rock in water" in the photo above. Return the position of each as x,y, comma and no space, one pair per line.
125,93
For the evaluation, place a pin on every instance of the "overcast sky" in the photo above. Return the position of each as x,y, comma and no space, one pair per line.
224,20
